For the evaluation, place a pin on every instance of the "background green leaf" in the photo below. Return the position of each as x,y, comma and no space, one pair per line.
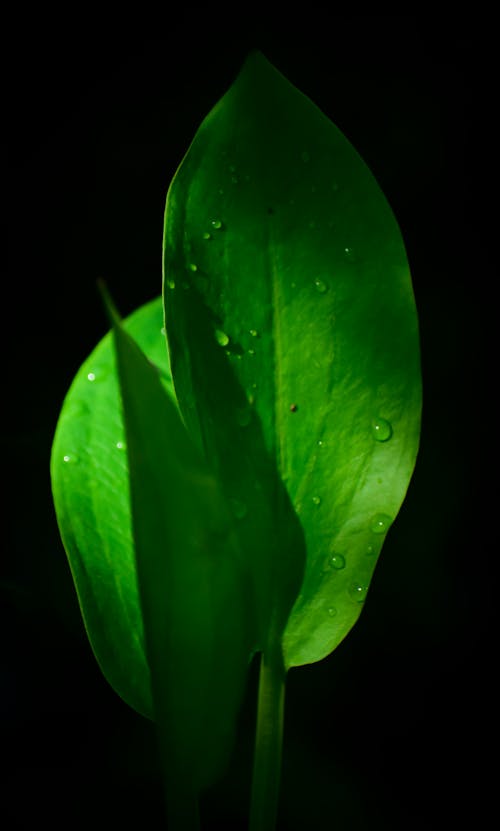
89,473
289,309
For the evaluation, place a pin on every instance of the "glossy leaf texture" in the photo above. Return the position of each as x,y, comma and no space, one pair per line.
90,486
294,346
193,583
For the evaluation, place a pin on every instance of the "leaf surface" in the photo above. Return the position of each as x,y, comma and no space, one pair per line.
197,612
90,486
294,347
153,553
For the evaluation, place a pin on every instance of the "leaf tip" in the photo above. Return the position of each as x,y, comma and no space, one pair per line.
109,306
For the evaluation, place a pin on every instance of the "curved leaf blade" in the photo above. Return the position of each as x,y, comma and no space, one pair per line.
90,486
295,263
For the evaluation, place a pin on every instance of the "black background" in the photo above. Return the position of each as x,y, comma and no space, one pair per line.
394,730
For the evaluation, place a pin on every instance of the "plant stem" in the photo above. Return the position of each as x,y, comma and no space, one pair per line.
268,743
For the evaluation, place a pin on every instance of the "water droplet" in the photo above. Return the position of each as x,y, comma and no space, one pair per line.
244,416
316,500
254,333
321,443
348,253
238,508
221,337
381,429
171,284
337,561
332,611
207,235
70,458
358,592
163,331
380,523
370,550
121,445
305,156
251,351
321,286
217,224
232,168
234,180
91,376
193,267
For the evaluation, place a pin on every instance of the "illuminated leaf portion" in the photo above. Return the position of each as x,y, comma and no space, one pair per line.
90,485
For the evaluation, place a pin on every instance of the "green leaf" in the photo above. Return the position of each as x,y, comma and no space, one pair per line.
90,486
294,348
198,614
164,595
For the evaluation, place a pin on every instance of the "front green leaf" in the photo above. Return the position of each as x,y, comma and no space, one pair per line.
294,345
197,609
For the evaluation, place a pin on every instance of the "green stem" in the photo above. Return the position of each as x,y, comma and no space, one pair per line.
268,743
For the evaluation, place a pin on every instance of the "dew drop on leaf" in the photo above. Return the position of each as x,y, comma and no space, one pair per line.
120,445
70,458
380,523
381,429
321,286
332,611
221,337
171,284
358,592
337,561
254,333
316,500
217,224
91,376
193,267
206,235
